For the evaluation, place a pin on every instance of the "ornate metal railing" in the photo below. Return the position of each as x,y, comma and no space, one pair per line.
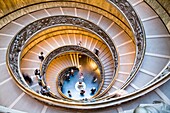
136,25
21,38
60,80
70,48
165,71
162,77
18,42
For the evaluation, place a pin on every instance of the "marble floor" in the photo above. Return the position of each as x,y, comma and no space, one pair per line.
75,91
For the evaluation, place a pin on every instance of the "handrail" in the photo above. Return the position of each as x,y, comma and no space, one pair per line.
164,75
12,63
139,34
166,70
26,33
71,48
58,81
135,68
69,4
103,103
75,30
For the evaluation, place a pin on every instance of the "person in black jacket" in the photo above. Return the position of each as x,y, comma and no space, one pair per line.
27,79
93,90
37,72
41,56
69,93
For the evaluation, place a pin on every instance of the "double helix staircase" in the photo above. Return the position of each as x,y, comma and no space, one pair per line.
156,58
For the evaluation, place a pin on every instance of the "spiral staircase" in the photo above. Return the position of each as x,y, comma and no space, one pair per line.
134,52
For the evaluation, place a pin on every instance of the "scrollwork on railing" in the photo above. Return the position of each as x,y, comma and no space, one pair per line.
61,78
162,74
27,32
163,77
70,48
139,34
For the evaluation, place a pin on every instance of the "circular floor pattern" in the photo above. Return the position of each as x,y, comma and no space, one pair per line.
78,87
72,85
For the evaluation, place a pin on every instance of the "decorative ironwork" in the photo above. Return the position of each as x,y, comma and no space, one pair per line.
139,34
26,33
71,48
165,72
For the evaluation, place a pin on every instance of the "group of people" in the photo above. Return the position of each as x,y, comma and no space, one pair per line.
37,71
67,77
38,76
28,79
81,87
82,91
45,90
